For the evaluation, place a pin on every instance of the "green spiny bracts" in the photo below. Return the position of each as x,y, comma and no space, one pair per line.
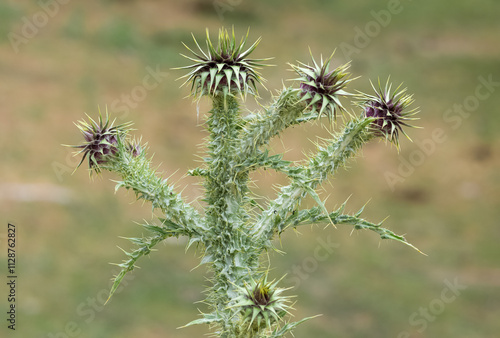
321,88
234,232
101,141
390,111
225,68
260,305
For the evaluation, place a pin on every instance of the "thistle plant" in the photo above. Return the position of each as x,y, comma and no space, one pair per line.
234,232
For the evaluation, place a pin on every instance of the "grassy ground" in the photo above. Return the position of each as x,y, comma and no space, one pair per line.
90,54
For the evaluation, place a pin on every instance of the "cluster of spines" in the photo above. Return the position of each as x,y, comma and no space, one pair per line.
223,68
390,111
101,141
260,304
321,88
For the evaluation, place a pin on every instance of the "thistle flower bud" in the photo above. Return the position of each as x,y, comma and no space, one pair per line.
101,141
261,303
389,110
223,69
134,148
321,88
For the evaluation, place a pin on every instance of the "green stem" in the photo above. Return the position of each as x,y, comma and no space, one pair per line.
137,175
317,216
305,180
279,116
227,244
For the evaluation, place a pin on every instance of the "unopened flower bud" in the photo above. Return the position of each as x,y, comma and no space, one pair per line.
389,110
224,68
320,88
101,141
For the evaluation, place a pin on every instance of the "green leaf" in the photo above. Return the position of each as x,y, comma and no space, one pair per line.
208,318
318,200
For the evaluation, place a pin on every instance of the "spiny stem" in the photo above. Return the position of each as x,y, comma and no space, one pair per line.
306,179
137,175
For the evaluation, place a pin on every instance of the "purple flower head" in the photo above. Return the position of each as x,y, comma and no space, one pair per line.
389,111
225,68
134,148
320,88
101,141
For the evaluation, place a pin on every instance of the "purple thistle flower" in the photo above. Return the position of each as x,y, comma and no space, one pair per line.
101,141
223,69
134,148
321,88
389,111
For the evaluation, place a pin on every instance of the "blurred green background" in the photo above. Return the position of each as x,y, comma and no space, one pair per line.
59,61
